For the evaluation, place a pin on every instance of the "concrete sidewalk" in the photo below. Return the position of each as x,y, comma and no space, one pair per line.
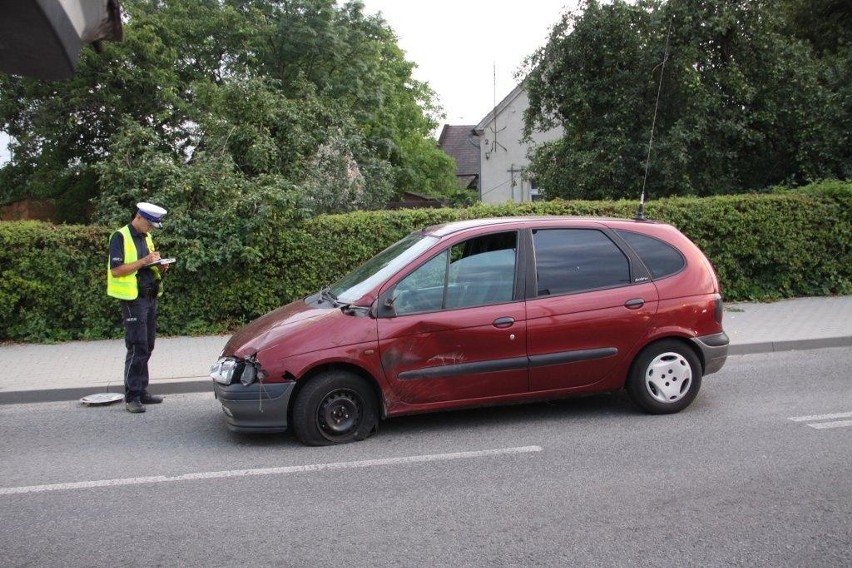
68,371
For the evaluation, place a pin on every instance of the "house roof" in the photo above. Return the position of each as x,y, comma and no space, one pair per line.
412,200
462,143
501,106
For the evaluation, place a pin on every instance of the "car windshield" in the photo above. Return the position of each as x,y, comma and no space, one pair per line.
379,268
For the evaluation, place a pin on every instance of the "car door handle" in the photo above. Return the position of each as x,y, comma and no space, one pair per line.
634,304
503,322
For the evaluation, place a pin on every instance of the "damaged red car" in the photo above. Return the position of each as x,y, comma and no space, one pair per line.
482,312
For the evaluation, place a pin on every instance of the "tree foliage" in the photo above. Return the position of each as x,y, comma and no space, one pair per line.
825,24
744,104
252,89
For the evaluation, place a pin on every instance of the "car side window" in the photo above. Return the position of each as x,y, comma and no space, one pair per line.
423,289
476,272
575,260
661,258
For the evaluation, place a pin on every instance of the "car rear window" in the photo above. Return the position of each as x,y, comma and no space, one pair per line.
574,260
661,258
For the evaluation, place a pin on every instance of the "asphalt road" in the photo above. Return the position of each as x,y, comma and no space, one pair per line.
757,472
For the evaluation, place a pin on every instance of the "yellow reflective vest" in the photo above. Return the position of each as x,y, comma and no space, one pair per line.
127,287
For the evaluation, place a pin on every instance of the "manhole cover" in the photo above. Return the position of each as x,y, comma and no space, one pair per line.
102,398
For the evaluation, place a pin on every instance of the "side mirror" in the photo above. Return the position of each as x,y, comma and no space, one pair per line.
383,306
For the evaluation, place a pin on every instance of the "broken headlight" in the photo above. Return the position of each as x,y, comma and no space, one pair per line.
229,369
222,370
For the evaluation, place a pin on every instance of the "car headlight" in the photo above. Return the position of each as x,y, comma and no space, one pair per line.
249,374
229,369
222,370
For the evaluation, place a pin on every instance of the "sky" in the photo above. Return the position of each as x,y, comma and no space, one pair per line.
467,50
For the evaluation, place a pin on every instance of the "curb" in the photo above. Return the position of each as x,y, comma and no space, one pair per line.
791,345
76,393
205,384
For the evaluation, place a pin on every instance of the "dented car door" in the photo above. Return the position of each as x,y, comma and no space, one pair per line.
455,327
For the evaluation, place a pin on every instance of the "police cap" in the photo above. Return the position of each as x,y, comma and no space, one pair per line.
152,213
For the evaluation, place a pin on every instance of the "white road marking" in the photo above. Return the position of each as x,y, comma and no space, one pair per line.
837,424
825,421
821,417
268,470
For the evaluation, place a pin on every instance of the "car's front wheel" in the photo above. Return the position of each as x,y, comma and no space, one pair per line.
665,378
334,408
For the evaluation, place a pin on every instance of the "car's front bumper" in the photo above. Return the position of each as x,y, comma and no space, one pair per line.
258,407
714,350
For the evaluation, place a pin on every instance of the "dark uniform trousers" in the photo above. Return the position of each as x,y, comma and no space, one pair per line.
140,330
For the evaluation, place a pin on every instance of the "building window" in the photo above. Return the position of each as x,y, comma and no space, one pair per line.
535,194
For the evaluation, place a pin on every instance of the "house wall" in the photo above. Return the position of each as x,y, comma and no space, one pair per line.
502,155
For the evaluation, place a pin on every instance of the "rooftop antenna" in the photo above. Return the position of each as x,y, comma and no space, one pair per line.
494,104
494,130
640,214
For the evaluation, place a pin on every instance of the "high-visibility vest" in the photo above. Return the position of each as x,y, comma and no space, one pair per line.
127,287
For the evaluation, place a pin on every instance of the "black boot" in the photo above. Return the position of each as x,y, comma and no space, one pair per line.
135,407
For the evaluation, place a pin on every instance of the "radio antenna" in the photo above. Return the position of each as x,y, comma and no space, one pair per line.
640,214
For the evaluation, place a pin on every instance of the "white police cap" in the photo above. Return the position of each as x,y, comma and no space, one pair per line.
152,213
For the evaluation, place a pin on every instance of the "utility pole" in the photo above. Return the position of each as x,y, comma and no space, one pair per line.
512,171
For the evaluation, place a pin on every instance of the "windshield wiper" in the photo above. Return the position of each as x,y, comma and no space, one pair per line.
327,296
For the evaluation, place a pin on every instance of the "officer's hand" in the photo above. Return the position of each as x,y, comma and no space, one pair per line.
152,258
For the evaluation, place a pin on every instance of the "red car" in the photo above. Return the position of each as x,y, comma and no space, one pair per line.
482,312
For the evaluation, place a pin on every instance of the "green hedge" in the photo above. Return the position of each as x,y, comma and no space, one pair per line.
53,278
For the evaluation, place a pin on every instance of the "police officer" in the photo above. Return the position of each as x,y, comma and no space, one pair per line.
135,278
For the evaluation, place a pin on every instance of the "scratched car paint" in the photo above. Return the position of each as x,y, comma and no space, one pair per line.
482,312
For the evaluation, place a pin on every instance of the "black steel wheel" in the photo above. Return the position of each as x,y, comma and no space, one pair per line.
665,377
334,408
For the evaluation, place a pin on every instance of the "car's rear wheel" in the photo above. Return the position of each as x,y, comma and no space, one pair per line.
665,377
334,408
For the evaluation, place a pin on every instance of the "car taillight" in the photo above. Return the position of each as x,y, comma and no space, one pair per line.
719,311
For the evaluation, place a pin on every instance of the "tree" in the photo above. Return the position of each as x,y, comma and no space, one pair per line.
354,59
825,24
742,105
263,84
336,182
592,78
